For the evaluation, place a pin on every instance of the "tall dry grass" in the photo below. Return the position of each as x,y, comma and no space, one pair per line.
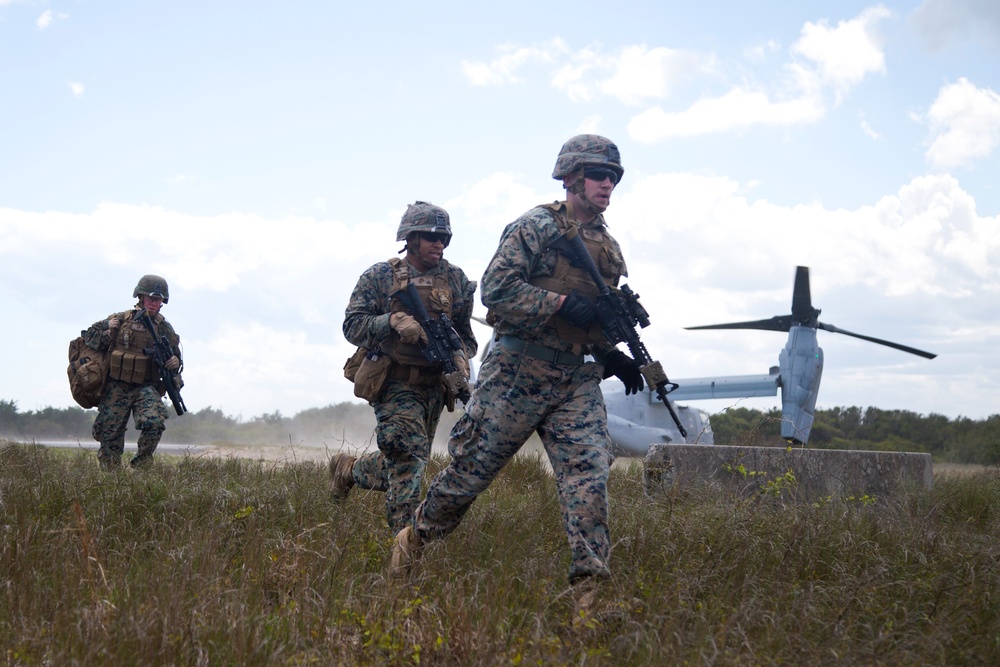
238,562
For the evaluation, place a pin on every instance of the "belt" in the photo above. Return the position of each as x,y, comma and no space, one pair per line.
422,376
541,352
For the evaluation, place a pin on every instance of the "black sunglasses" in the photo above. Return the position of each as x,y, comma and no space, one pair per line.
434,237
600,173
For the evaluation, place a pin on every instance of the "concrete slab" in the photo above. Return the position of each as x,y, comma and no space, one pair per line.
795,473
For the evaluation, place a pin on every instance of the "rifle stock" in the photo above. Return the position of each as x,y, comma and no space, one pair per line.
161,352
618,315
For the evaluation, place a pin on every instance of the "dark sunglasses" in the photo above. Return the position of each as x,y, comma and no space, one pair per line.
434,237
600,173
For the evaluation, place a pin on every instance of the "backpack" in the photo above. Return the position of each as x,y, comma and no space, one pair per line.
87,371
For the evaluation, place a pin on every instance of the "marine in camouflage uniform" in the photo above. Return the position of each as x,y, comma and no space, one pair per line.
133,385
543,375
410,404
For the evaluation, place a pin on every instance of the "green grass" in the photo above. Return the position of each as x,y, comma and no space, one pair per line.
239,562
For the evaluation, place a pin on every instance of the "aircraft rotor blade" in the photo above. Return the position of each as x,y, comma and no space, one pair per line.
776,323
870,339
801,296
802,309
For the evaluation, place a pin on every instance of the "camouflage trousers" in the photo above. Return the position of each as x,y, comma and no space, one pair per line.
407,419
121,399
516,395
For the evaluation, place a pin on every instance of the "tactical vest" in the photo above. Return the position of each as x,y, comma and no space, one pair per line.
566,277
128,361
434,292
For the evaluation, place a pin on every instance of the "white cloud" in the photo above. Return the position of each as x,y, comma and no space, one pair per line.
829,59
736,109
964,125
869,131
47,17
76,88
214,253
503,69
825,59
759,52
589,125
844,55
926,239
274,365
493,201
629,74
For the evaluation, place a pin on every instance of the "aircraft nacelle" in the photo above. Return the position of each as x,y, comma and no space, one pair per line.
801,363
638,421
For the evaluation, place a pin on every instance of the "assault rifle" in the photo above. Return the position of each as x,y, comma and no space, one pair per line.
161,352
443,343
618,313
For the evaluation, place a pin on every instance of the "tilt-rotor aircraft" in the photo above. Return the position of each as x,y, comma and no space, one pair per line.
637,421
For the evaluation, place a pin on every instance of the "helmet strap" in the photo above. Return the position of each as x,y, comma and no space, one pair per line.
576,187
413,255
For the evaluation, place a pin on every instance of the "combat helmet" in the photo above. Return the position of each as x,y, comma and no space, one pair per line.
151,285
423,217
587,149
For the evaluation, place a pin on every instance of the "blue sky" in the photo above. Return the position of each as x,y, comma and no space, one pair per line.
259,156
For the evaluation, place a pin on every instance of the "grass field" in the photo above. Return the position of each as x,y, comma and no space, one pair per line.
228,561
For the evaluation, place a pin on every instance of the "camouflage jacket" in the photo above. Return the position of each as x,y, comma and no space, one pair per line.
519,308
366,320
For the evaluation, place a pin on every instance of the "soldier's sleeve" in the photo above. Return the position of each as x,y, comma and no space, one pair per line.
462,310
601,349
98,335
366,320
167,329
505,289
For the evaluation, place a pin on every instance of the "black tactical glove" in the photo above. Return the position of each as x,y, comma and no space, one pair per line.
624,368
577,309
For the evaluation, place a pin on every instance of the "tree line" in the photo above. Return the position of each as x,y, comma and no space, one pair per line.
961,440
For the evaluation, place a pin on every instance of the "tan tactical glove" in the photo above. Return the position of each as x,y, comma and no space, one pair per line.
409,330
462,364
173,363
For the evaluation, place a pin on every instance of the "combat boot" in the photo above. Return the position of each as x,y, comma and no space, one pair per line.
109,462
109,455
585,594
341,475
405,551
141,462
594,605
